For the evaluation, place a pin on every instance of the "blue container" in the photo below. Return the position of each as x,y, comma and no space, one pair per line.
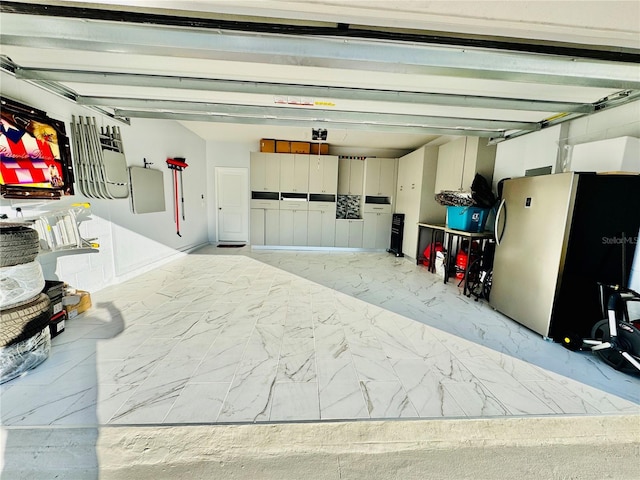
468,219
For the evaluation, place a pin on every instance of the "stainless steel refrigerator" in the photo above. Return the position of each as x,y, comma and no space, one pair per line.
557,237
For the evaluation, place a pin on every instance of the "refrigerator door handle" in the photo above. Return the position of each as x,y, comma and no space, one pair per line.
495,226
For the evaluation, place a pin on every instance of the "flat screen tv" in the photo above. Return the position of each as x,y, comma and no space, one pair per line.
35,158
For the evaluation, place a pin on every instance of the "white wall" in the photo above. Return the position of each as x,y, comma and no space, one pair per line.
535,150
551,146
129,244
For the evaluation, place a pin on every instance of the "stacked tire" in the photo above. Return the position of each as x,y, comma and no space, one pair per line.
25,340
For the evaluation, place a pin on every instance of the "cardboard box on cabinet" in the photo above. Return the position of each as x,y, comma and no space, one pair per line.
319,148
267,145
300,147
283,146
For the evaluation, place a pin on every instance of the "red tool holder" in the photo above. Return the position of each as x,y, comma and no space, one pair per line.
177,165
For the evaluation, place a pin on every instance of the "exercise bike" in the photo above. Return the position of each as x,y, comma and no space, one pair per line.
616,339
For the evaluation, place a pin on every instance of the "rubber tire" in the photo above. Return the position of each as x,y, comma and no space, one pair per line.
631,341
20,283
22,322
19,244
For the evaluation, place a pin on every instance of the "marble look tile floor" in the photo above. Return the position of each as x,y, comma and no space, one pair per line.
241,335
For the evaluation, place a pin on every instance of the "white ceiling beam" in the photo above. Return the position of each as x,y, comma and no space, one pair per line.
297,122
286,89
330,52
309,113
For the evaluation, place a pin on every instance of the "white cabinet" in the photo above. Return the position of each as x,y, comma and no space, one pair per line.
293,223
265,172
349,233
257,226
380,176
323,174
377,227
415,195
265,222
350,176
294,173
321,230
460,160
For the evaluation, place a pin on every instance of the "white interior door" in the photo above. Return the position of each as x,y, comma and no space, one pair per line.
233,204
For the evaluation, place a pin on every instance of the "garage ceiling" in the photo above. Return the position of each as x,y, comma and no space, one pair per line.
374,74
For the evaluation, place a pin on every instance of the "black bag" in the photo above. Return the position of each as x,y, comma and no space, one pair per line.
481,192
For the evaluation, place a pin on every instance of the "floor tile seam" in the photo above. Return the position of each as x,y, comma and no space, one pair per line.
272,392
516,380
573,396
315,359
388,360
141,384
503,404
351,363
205,354
475,380
235,372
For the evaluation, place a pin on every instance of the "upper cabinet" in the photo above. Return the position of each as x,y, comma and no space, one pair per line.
294,173
350,176
415,195
380,176
460,160
265,172
323,174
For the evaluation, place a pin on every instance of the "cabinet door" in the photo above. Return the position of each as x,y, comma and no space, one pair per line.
329,174
300,228
369,230
342,233
257,226
355,233
271,172
316,175
287,172
323,174
286,227
328,228
356,177
450,165
257,172
315,228
383,231
272,227
344,172
301,173
387,176
372,176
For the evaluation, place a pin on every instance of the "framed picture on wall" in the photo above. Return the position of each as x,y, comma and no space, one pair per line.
35,158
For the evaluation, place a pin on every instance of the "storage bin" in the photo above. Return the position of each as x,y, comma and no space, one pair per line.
54,290
319,149
468,219
267,145
283,146
300,147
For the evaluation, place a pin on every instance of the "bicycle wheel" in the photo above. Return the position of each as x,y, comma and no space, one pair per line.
629,340
486,284
474,279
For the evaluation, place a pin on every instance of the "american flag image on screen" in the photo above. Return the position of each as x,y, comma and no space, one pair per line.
29,154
